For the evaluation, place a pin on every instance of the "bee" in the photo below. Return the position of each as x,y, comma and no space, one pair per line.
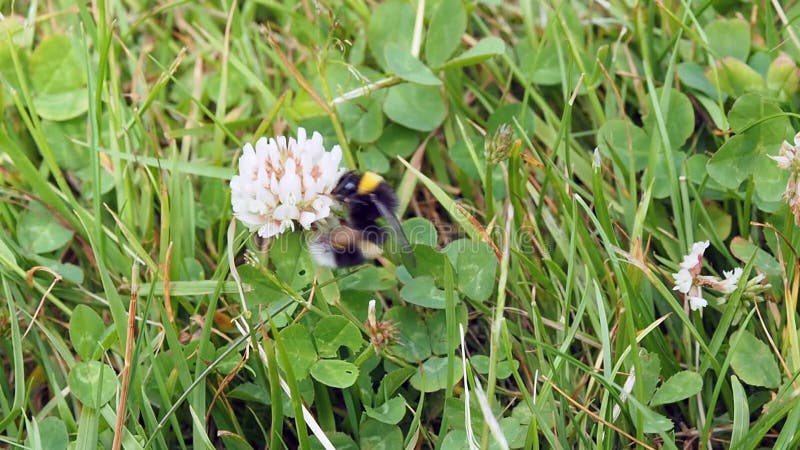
343,247
367,197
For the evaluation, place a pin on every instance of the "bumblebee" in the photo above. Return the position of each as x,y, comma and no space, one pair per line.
343,247
367,198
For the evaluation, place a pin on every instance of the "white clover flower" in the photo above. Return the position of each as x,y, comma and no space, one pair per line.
789,159
691,283
792,195
789,154
690,267
686,278
282,181
731,280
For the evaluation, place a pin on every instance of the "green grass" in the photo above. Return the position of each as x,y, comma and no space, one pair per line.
137,313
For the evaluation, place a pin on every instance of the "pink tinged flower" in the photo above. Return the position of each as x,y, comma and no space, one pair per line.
693,262
792,195
284,180
789,154
690,266
783,162
686,278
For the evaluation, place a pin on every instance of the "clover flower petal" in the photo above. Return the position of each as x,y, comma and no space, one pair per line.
697,302
683,281
731,280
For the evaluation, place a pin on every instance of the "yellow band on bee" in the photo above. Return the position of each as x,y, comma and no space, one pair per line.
369,182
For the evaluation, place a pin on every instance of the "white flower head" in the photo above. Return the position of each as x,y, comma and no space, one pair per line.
282,181
731,280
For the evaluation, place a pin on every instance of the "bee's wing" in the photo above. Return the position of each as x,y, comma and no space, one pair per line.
399,236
